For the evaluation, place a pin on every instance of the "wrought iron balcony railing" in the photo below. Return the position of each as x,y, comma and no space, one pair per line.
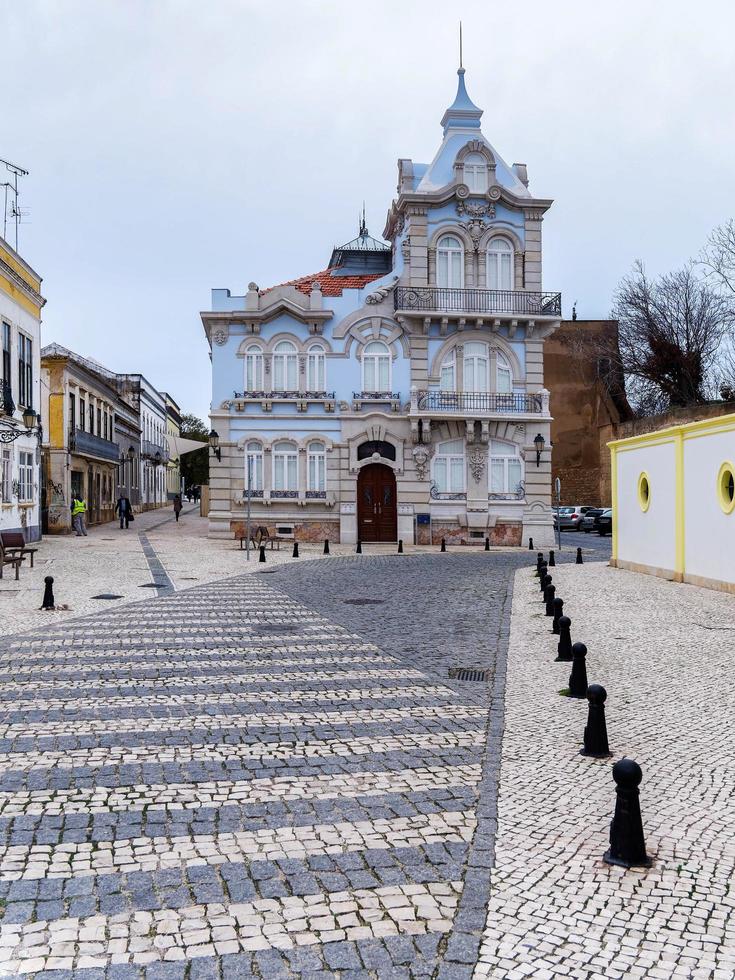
285,395
88,444
155,451
6,398
478,402
516,302
377,396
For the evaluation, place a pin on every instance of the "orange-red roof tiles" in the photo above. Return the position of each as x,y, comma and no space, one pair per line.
331,285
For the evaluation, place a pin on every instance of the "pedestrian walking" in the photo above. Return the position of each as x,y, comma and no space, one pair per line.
177,506
124,508
78,515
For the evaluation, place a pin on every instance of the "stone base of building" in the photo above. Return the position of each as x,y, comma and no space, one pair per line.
506,534
543,535
310,532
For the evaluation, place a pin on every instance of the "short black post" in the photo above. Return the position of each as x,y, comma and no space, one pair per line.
326,546
295,553
552,559
444,545
539,563
564,646
545,578
578,676
262,553
595,731
530,544
487,544
558,612
358,549
48,594
549,594
400,546
627,844
579,557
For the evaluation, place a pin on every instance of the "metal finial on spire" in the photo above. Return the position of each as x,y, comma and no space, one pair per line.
460,45
363,223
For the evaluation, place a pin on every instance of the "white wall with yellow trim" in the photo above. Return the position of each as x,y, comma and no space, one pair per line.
674,503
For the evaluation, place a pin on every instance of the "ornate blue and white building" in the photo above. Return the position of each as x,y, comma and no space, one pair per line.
400,392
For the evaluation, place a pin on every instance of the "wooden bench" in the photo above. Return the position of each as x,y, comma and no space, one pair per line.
13,544
284,533
258,536
15,560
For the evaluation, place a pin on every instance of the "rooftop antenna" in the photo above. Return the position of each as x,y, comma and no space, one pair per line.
15,211
363,224
460,45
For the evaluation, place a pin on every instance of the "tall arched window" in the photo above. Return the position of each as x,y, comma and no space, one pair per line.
504,375
450,263
285,466
475,173
316,467
506,469
254,463
285,367
376,363
316,371
448,467
500,264
254,369
476,367
448,373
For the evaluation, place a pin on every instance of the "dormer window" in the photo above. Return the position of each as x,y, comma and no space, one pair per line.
450,263
475,173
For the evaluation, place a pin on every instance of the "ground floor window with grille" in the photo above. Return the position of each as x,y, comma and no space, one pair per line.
506,467
317,467
254,463
448,468
285,467
6,475
25,477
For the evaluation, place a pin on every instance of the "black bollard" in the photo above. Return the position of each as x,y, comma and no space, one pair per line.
579,557
326,546
558,612
530,544
552,560
358,549
564,646
595,731
627,844
578,676
400,546
262,553
295,553
545,578
444,545
48,594
549,594
539,563
487,544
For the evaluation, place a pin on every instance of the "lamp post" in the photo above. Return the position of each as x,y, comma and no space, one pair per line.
214,444
539,443
9,432
250,493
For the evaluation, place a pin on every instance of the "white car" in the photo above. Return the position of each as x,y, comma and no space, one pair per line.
569,517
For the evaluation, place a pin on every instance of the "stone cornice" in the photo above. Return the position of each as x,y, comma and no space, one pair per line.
28,291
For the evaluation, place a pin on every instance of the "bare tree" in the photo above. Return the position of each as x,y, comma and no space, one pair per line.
670,332
718,256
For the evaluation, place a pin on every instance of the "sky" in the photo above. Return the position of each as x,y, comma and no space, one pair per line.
174,147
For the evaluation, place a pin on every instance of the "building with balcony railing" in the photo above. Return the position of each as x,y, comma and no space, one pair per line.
399,393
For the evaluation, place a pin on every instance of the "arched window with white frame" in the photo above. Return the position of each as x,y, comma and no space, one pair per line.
285,466
316,467
316,370
503,375
500,264
285,366
254,369
450,263
254,467
476,367
475,173
376,367
448,372
448,467
505,471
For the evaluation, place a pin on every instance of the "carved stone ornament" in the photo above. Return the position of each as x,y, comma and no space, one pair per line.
421,459
462,191
476,227
380,294
475,209
477,463
406,248
494,193
220,336
400,224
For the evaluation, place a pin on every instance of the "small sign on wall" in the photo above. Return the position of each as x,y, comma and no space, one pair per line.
423,518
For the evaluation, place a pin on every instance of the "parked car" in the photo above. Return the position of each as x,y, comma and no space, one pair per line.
603,522
587,523
569,517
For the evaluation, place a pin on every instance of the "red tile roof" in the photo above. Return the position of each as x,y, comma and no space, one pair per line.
331,285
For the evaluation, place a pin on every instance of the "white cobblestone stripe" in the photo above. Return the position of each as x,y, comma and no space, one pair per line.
180,796
221,722
224,752
216,929
235,697
156,853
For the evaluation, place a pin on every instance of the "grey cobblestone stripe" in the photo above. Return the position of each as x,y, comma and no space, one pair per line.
178,796
216,929
158,572
122,856
102,756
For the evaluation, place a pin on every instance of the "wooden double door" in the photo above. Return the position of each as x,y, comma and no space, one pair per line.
377,510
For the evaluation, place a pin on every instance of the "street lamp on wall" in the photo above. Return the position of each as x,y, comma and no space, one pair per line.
539,442
31,421
214,444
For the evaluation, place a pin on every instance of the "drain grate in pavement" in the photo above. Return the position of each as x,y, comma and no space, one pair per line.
468,674
107,595
153,585
364,602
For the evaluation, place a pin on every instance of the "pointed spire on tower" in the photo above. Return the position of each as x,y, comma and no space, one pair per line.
462,113
363,224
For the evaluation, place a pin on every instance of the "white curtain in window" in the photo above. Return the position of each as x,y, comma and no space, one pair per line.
450,263
316,370
285,466
475,173
285,367
504,376
253,369
506,469
317,469
500,264
376,367
448,467
448,373
476,367
254,460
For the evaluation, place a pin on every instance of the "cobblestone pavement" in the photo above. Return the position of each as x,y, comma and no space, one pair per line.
664,653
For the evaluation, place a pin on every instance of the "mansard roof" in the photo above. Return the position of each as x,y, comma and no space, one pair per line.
330,281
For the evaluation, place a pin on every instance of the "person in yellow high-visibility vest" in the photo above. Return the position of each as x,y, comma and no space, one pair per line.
78,510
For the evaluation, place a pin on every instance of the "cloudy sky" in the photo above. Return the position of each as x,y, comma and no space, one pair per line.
175,146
